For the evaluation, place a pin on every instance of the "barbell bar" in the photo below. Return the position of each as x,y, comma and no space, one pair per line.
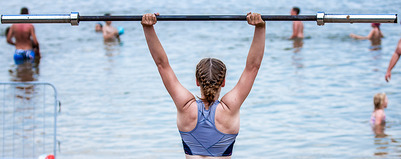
321,18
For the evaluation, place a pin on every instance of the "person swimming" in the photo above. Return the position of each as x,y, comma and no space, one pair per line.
98,27
208,126
374,36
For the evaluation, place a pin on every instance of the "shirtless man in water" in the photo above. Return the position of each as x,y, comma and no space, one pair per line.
297,26
110,33
25,40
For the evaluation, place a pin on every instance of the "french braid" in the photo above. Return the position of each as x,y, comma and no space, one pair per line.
210,73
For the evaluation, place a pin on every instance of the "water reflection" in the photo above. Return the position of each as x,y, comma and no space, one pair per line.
297,44
297,58
384,142
380,140
25,72
112,47
24,108
377,60
379,130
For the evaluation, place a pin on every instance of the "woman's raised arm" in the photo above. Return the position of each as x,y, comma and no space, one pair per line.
234,98
181,96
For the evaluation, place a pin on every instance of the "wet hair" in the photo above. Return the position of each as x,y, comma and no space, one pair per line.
296,9
24,10
210,73
378,100
100,24
376,25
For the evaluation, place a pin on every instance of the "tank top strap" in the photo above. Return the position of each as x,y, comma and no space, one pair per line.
213,111
201,106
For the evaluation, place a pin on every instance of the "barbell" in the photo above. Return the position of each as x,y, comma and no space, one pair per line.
321,18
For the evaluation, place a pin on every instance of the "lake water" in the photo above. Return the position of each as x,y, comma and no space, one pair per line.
309,103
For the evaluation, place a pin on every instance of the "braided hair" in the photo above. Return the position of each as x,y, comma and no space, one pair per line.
210,73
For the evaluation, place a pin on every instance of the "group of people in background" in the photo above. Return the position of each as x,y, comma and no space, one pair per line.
378,117
110,33
23,37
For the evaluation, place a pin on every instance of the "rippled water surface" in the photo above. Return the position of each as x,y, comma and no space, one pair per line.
309,103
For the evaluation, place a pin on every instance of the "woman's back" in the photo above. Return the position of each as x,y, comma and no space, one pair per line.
376,37
205,139
225,121
208,127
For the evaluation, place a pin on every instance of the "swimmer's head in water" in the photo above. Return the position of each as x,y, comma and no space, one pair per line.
210,75
376,25
24,10
295,11
107,15
380,101
98,27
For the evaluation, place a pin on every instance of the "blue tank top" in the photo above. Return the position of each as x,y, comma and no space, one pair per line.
205,139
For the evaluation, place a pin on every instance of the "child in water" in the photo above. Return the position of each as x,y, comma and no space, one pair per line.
378,116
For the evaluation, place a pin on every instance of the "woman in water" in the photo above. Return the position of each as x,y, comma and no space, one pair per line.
374,36
208,127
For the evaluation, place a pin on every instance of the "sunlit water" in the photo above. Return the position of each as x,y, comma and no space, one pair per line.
309,103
